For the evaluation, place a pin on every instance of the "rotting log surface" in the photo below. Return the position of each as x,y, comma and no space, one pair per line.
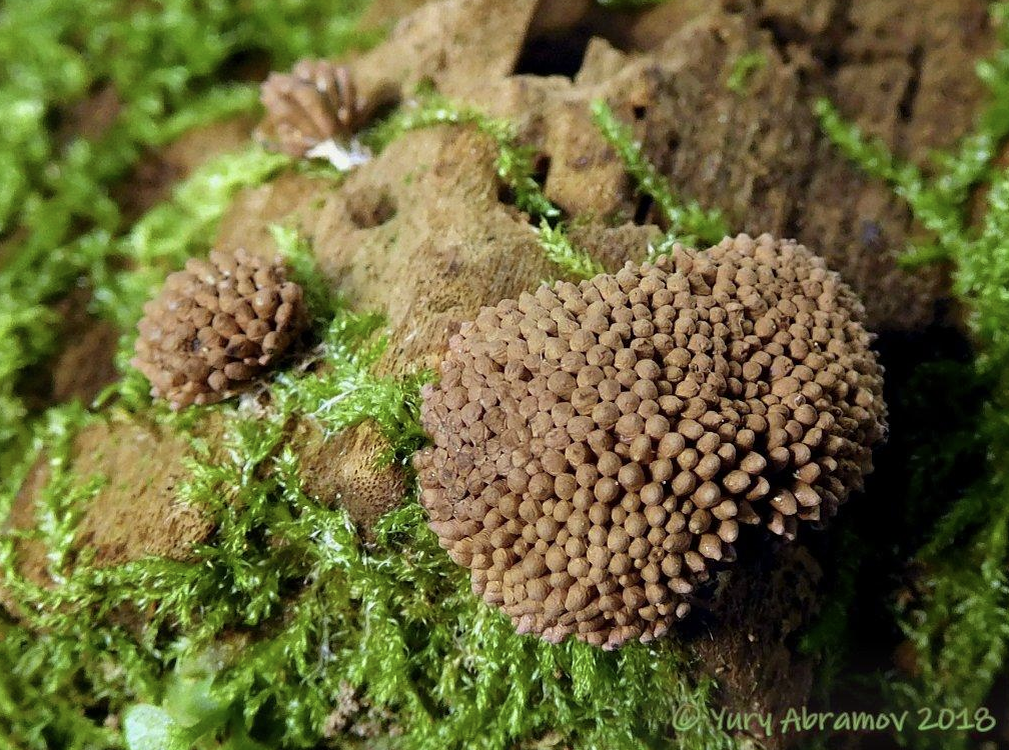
431,203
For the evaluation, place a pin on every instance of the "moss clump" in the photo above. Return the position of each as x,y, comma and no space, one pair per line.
60,224
559,249
743,69
958,623
160,71
687,222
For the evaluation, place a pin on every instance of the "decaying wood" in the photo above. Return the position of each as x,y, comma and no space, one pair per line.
422,233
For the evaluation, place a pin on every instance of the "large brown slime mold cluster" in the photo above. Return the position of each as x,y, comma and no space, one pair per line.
216,326
597,445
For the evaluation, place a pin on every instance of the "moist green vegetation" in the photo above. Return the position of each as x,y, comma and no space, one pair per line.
161,68
743,69
958,617
687,222
560,250
287,613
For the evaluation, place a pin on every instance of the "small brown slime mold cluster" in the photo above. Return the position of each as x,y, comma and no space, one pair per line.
216,326
597,446
312,104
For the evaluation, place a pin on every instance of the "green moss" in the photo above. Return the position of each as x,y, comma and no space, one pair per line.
959,622
161,62
51,683
560,250
168,66
743,69
687,222
32,713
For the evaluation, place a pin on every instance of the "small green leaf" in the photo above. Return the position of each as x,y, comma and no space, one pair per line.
149,728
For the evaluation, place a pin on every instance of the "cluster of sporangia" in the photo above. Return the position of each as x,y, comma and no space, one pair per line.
216,326
597,446
312,104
